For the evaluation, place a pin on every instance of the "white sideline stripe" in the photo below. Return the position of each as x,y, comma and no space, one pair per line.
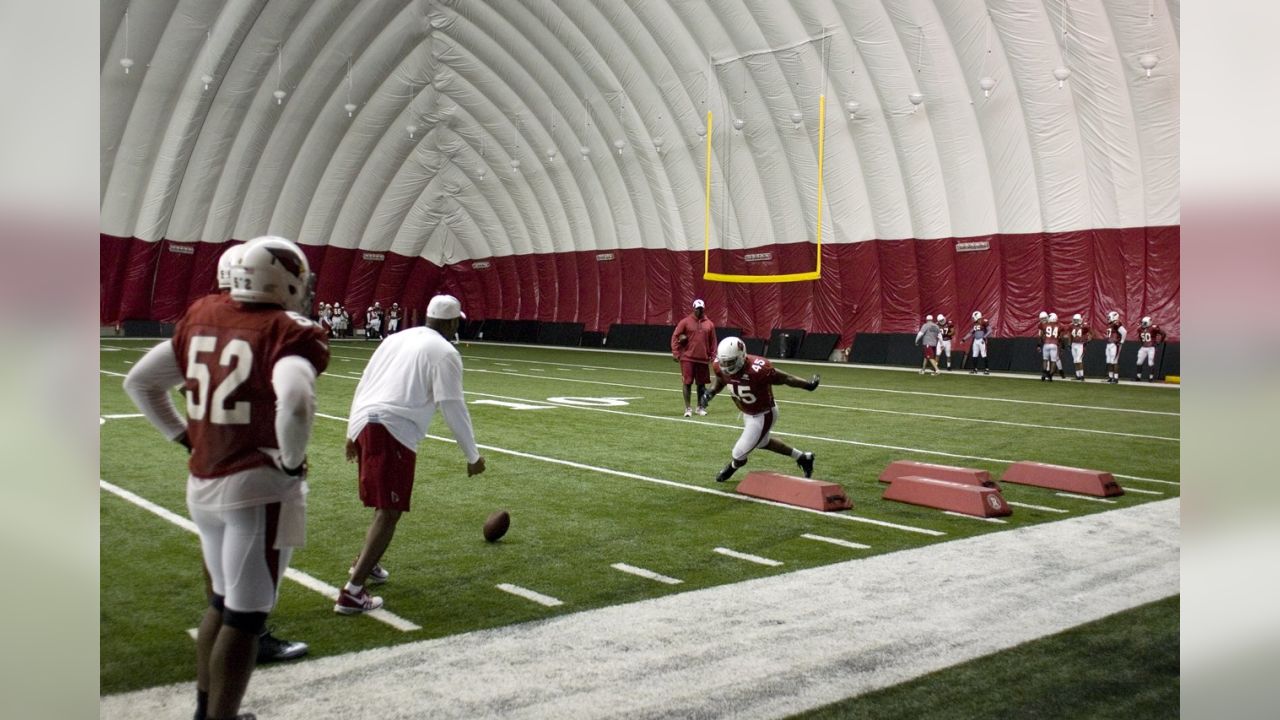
850,387
737,428
1035,507
194,633
745,649
1085,497
836,541
682,486
114,374
975,517
805,403
748,557
1143,492
297,576
528,594
641,572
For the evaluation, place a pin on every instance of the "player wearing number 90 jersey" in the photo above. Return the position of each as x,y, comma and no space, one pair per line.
750,380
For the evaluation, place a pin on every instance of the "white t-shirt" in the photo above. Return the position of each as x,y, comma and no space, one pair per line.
411,374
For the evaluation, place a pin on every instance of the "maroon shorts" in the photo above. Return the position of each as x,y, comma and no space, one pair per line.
930,351
386,469
692,371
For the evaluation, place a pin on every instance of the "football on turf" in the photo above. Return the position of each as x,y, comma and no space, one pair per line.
496,526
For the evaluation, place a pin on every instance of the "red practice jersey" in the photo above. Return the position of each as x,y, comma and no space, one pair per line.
948,330
1080,333
226,351
1113,332
1148,335
752,386
1049,332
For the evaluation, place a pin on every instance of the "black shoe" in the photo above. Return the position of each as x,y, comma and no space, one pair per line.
1062,374
973,371
805,462
986,372
1050,377
1151,379
726,473
273,649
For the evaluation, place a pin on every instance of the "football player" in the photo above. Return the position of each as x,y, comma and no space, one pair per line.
1048,340
980,331
1149,335
930,332
1115,338
692,343
393,318
1080,334
750,380
944,342
249,367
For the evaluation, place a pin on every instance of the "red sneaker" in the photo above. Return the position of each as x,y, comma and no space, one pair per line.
356,603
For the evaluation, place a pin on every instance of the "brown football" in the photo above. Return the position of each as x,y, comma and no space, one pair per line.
496,526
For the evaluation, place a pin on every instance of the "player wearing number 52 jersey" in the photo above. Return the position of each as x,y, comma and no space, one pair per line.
750,380
248,366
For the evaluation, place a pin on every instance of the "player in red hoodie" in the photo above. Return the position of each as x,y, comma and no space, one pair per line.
692,345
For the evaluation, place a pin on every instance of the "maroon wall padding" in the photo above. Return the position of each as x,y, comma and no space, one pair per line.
874,286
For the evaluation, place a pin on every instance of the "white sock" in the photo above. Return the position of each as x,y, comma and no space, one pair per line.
353,588
796,454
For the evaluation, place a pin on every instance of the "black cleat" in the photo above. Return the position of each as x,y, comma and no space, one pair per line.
726,473
805,462
273,649
813,382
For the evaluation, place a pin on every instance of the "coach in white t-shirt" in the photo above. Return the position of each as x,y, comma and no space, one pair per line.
411,375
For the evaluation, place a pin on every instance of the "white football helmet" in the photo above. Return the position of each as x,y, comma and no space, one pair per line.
928,318
1043,316
1146,321
229,257
275,271
1076,319
1053,317
731,354
1113,316
977,315
941,318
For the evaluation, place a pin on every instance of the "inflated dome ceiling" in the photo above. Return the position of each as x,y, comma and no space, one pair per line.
455,135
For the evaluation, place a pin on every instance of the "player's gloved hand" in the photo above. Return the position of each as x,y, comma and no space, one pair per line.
813,383
184,441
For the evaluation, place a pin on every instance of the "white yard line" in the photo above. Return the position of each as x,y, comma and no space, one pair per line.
738,428
297,576
1090,498
1141,491
806,403
836,541
528,594
747,649
679,485
124,416
975,517
1029,506
648,574
748,557
113,374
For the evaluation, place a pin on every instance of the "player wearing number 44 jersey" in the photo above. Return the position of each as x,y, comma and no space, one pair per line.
248,365
750,380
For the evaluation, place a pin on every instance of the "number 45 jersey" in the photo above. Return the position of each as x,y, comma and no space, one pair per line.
752,386
226,351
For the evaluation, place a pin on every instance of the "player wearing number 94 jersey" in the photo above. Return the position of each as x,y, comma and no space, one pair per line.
248,367
750,380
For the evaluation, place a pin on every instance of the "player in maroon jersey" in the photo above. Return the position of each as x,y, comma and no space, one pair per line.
1047,338
1150,336
944,343
1080,334
980,332
750,380
692,344
248,366
1115,338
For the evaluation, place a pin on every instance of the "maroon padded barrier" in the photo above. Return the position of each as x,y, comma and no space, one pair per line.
874,286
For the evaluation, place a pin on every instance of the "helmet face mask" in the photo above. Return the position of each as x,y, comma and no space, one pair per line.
1113,316
977,315
942,318
275,271
227,260
1146,321
732,355
1076,319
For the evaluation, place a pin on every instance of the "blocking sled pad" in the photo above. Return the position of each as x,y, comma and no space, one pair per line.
813,494
1060,477
977,500
951,473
